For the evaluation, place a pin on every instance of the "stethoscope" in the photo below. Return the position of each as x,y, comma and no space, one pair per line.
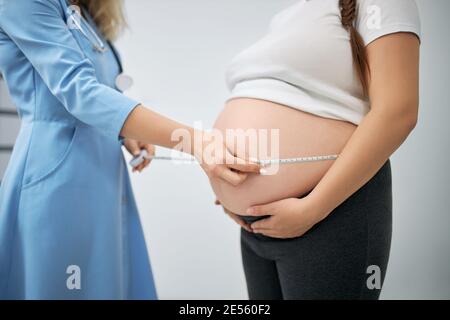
123,82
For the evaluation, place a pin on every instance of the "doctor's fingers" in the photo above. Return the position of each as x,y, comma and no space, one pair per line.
150,148
241,165
246,167
232,177
150,151
132,146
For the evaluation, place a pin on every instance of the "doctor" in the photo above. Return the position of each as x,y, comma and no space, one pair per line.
69,227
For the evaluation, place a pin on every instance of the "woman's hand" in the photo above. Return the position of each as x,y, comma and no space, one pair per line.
135,147
289,218
235,217
218,162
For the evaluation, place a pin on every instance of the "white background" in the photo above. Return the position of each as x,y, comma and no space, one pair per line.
177,52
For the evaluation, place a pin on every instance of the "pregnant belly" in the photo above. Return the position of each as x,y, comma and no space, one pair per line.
282,132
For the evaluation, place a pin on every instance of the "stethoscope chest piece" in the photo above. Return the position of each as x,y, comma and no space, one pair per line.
123,82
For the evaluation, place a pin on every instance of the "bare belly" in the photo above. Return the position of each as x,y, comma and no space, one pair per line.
300,134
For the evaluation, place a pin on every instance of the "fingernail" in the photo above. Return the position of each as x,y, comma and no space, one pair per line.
263,172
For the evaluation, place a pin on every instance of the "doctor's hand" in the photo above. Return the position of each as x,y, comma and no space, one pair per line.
218,162
134,147
289,218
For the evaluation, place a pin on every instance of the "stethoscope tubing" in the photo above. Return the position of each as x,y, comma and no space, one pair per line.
99,45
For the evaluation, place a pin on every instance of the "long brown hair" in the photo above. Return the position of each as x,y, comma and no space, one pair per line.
108,15
349,16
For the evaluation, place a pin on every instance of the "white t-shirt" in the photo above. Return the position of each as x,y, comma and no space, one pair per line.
305,61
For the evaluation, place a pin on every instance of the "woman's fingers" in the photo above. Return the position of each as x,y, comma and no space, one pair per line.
262,210
268,233
229,212
239,221
234,217
263,226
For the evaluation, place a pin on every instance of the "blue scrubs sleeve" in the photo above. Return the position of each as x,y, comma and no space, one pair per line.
39,30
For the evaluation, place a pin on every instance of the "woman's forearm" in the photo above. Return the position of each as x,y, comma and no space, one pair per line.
394,98
148,126
371,145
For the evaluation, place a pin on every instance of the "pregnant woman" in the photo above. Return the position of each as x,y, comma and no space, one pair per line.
334,77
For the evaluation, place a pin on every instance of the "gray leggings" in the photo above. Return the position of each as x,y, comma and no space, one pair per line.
333,260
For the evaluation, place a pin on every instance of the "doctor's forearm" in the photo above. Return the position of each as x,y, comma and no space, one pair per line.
148,126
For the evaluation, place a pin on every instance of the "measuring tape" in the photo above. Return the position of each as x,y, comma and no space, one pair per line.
144,156
297,160
138,160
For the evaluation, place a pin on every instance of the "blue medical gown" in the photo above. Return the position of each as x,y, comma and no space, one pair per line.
69,227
